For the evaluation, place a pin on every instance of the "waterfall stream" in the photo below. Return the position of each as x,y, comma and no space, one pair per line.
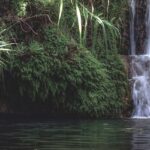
140,65
132,33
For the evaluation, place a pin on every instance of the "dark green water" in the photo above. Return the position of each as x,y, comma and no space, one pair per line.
75,135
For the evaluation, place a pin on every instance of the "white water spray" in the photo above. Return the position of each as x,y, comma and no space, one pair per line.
140,68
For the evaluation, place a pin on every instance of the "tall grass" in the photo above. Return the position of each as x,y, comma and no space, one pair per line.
79,18
83,16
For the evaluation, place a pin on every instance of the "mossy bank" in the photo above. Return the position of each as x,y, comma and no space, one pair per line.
50,70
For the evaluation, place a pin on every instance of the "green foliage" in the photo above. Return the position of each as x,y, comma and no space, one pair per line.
67,77
83,17
117,74
18,7
49,69
94,26
3,48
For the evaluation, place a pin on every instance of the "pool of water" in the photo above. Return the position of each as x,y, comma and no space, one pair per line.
62,134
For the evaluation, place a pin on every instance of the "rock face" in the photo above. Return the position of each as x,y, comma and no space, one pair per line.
140,28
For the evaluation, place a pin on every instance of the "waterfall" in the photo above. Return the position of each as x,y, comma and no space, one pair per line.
140,65
132,32
148,28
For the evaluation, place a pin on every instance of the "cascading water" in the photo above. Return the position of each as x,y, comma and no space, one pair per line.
140,66
132,33
148,28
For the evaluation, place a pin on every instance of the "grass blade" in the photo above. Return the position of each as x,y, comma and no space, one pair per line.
60,11
79,21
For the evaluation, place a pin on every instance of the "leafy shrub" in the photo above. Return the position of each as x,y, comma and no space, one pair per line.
66,77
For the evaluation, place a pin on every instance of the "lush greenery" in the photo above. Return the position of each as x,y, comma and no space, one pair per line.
65,60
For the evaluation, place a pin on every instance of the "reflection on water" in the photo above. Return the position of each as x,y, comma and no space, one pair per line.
141,134
75,135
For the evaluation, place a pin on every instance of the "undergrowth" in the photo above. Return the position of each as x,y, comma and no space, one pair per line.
54,70
66,76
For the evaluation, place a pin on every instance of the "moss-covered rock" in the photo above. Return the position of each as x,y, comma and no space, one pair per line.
50,72
64,77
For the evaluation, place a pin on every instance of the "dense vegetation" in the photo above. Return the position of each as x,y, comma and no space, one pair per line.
64,57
